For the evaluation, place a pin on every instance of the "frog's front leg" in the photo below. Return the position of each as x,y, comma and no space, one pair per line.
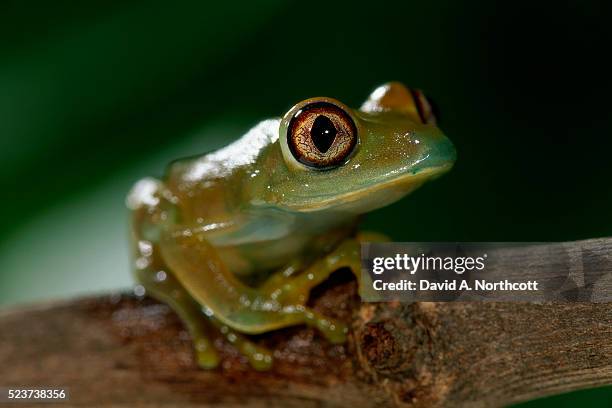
296,289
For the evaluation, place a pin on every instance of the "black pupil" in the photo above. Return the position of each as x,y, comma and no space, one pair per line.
323,133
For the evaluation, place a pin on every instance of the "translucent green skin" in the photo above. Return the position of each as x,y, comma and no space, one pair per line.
245,232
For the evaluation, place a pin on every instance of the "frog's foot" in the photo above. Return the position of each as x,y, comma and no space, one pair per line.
295,289
164,287
259,357
205,353
333,330
203,328
154,276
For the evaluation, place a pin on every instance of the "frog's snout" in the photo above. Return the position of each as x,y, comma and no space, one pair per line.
437,155
444,153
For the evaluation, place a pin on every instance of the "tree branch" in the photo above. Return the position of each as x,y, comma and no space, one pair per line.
122,351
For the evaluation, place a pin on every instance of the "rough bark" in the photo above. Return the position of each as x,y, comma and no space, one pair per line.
121,351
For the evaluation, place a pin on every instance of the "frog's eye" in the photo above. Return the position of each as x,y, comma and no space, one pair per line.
395,97
321,135
426,109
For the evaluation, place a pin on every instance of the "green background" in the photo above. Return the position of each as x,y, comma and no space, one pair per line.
94,95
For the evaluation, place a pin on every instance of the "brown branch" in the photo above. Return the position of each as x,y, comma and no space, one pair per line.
121,351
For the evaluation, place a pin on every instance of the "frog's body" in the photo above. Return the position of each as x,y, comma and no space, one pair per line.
234,240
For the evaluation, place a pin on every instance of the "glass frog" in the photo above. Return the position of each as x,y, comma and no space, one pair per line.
234,240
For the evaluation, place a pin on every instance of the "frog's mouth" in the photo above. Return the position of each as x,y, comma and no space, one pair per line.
372,196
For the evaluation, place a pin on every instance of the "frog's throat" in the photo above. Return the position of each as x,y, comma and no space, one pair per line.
390,191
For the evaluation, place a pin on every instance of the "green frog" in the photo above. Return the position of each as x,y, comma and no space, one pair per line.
234,240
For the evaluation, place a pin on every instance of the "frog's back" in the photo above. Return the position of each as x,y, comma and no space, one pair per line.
208,187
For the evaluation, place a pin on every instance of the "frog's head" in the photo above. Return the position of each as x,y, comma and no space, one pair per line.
337,158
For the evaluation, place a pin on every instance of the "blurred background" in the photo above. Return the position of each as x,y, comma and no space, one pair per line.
94,95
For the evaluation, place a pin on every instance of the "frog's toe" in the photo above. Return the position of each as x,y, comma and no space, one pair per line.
333,330
260,358
206,356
